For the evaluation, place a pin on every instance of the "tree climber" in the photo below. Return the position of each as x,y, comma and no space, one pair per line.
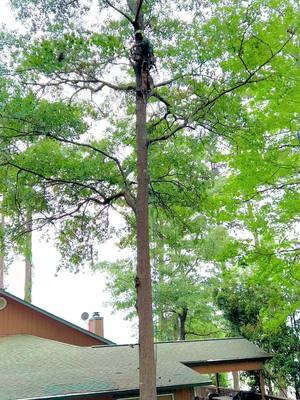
142,53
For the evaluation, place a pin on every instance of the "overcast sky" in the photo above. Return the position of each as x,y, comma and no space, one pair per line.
67,295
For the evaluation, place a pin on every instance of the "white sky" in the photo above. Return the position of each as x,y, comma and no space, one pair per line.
5,15
67,295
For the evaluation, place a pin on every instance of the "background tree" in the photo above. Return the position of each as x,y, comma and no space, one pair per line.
183,275
2,252
243,302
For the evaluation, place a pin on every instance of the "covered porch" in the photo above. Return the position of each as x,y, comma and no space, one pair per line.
234,368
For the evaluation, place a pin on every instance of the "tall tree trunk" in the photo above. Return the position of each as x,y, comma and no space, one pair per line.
147,367
28,258
182,321
2,252
175,326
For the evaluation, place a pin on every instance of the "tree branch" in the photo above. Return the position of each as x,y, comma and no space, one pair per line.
91,147
248,80
120,11
106,200
59,80
138,11
167,136
203,334
274,187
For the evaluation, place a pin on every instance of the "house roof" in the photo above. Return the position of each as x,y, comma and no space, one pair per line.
54,317
35,368
44,368
200,352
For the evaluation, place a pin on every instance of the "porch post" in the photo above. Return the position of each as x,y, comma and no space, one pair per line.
236,380
218,382
262,384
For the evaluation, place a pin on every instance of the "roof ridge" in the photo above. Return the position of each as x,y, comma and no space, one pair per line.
202,340
174,341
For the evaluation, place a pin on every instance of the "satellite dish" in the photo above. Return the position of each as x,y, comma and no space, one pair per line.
85,316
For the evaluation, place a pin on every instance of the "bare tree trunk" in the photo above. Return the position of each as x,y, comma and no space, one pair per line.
147,367
182,321
162,318
143,278
28,259
2,252
175,326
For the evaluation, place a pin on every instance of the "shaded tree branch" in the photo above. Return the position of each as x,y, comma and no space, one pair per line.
106,200
168,135
120,11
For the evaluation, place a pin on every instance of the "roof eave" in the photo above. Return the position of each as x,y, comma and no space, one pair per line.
235,360
113,392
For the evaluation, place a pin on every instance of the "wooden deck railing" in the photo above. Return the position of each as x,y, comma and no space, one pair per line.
271,397
204,391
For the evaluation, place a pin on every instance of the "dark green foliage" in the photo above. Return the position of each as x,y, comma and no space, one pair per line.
242,305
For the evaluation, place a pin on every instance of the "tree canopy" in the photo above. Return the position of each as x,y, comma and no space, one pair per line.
222,139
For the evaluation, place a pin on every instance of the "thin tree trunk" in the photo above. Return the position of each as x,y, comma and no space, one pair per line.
28,259
175,327
182,321
162,319
147,367
2,252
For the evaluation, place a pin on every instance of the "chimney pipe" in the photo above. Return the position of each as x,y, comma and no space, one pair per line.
96,324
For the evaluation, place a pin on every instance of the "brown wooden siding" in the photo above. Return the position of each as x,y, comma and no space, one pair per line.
229,367
181,394
184,394
17,318
96,397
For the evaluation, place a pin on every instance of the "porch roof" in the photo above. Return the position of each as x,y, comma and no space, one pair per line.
213,351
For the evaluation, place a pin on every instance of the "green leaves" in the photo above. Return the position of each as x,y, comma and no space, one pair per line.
244,303
223,150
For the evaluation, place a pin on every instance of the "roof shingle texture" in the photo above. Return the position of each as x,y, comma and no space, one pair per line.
32,367
213,350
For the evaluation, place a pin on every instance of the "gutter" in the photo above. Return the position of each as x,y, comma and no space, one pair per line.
133,392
